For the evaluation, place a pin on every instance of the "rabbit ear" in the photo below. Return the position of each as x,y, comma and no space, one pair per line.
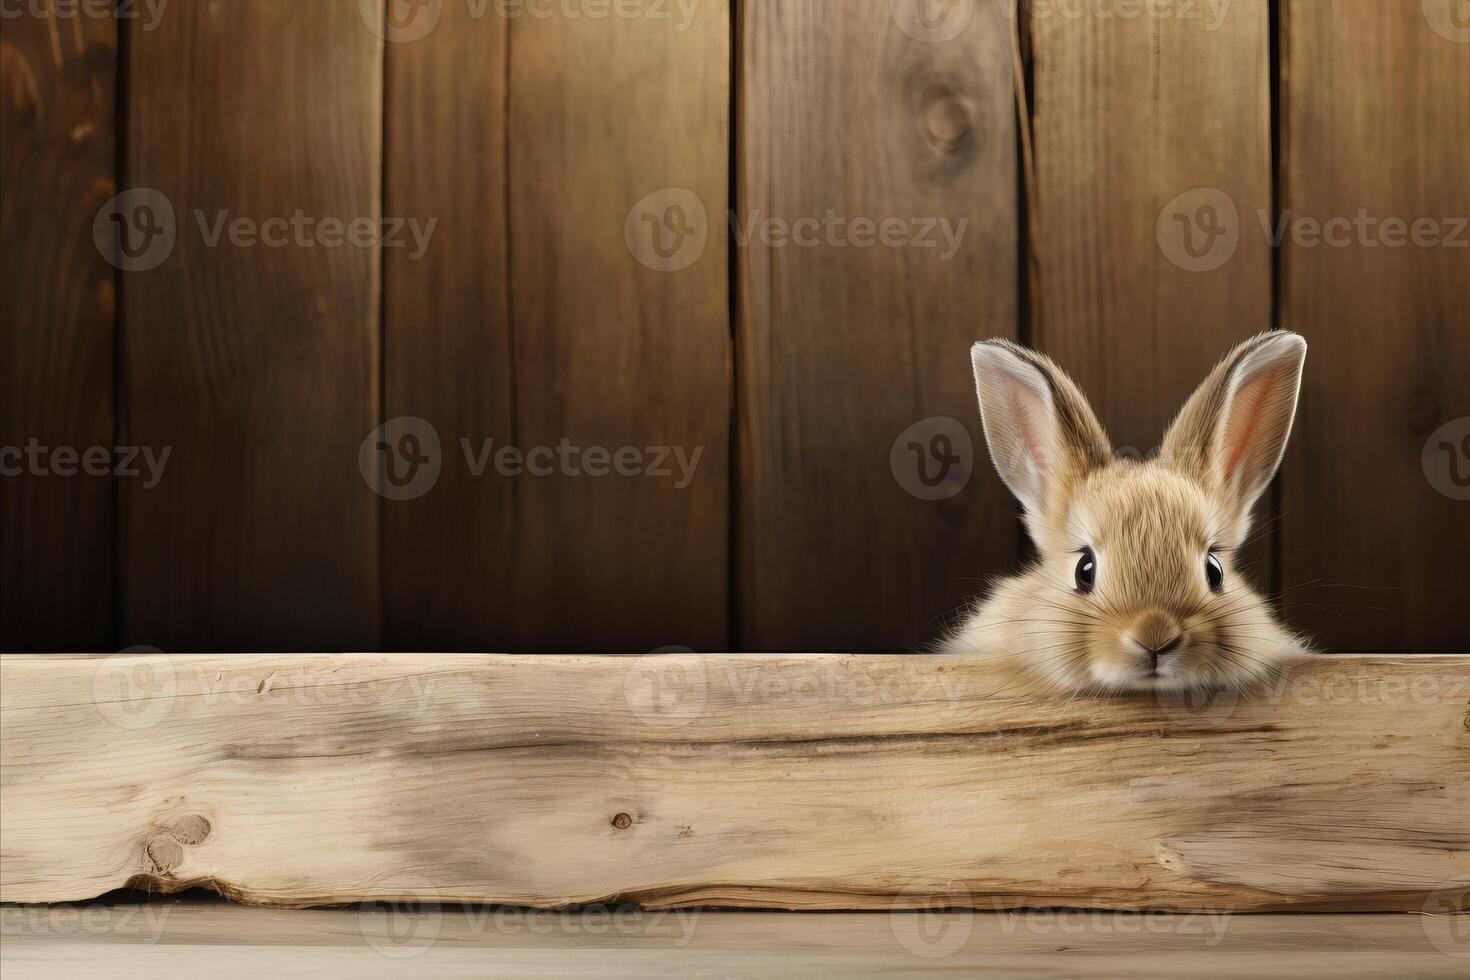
1039,427
1232,432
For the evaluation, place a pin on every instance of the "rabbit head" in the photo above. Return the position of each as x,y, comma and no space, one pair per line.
1136,585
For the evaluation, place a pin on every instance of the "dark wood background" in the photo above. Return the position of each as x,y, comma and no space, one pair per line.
1059,138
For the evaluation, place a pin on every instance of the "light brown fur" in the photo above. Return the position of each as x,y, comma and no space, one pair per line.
1150,525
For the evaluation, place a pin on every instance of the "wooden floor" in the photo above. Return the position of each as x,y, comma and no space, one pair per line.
188,937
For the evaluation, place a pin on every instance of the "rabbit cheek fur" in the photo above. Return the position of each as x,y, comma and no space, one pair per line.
1155,619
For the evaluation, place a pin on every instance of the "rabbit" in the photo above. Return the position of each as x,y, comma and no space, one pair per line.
1135,587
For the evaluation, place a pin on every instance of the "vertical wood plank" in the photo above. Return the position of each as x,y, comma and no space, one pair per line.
1153,170
614,351
449,546
1377,112
57,155
850,352
255,366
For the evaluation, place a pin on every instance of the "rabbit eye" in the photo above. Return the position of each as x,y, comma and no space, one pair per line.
1086,572
1214,573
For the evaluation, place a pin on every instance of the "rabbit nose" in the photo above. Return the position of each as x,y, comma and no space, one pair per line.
1158,633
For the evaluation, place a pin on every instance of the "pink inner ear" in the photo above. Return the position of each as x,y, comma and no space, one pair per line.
1022,410
1247,410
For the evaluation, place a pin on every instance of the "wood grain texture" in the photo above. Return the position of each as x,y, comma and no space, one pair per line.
803,782
256,366
449,555
173,938
1378,518
843,346
610,353
1129,113
57,156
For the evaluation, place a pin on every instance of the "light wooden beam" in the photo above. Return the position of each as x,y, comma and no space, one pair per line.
811,781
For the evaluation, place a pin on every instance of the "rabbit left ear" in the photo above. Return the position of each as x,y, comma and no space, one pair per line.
1232,433
1040,429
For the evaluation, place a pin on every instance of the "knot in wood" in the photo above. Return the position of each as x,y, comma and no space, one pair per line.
947,122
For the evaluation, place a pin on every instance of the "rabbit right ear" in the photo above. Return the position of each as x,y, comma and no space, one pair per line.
1232,432
1039,427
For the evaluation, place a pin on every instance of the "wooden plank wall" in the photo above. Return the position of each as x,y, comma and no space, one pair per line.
1140,123
848,354
256,365
1377,522
57,147
447,347
1134,119
545,153
621,342
533,323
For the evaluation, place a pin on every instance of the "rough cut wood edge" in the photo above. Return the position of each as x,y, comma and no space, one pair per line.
809,781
